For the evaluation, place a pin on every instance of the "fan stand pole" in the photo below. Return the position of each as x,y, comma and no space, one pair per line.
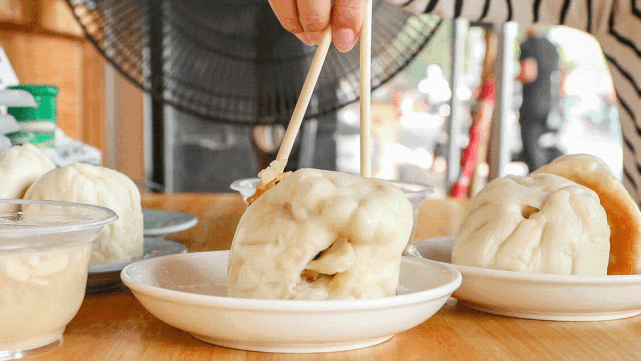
304,98
365,84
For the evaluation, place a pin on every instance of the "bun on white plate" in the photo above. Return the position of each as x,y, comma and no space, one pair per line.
538,224
84,183
321,235
624,216
20,166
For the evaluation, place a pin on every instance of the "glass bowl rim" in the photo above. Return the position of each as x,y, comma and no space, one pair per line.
426,188
103,217
237,185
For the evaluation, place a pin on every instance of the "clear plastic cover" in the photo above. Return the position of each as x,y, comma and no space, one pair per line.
29,225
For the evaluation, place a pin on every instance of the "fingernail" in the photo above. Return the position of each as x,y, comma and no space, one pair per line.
345,39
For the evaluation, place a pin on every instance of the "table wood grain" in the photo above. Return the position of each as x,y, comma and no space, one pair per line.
116,327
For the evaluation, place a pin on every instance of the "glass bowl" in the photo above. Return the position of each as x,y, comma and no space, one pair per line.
416,193
45,248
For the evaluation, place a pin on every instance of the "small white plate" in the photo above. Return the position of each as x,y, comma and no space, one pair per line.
535,295
189,292
106,277
161,223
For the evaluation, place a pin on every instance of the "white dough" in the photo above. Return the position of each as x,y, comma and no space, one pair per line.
321,235
84,183
539,224
20,166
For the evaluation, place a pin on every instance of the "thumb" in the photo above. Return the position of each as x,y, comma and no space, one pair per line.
347,19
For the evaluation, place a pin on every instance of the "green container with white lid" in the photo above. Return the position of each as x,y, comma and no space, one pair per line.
37,124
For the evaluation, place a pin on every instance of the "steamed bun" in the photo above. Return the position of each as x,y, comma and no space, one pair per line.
321,235
84,183
624,216
539,224
20,166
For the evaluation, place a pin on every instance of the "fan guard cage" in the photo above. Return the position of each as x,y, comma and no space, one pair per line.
230,61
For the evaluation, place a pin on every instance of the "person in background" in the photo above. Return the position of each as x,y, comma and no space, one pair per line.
614,23
539,65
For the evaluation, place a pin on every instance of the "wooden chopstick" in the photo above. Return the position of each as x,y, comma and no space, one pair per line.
365,87
304,98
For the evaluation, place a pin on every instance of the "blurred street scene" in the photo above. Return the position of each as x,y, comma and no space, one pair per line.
410,113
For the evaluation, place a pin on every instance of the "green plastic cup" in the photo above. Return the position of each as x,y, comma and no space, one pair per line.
37,124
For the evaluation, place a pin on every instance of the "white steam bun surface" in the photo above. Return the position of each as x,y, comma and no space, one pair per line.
539,224
321,235
20,166
84,183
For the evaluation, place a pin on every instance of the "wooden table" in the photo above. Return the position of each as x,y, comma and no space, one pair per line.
116,327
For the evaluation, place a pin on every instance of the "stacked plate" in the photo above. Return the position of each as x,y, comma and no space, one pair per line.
158,224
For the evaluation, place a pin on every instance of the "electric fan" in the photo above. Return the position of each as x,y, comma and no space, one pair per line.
230,61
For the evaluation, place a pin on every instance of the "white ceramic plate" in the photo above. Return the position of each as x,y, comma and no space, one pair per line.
538,296
161,223
103,278
188,291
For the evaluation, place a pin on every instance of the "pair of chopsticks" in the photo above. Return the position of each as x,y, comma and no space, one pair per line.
310,83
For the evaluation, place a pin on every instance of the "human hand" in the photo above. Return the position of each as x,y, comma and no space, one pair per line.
308,18
529,71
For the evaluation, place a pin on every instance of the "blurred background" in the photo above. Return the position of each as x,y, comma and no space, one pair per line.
423,130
